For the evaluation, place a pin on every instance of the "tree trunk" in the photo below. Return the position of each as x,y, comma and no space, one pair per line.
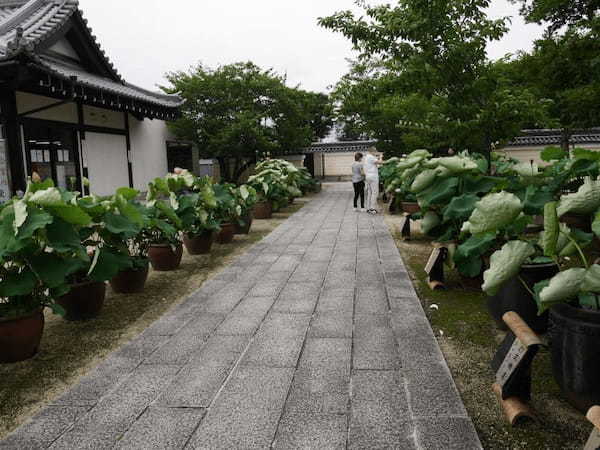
565,140
224,168
240,171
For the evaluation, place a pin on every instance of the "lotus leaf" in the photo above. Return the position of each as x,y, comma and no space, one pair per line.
494,212
47,197
430,221
591,283
549,237
460,208
425,179
585,201
506,264
563,287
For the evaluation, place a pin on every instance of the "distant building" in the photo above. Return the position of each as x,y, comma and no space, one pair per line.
333,160
65,111
528,146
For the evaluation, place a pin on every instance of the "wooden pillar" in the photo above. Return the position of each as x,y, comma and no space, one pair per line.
12,131
128,145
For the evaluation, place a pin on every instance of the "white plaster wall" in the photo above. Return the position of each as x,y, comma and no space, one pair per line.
148,150
526,154
28,102
336,164
105,156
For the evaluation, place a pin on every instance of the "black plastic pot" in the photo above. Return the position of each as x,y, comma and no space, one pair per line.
575,334
515,297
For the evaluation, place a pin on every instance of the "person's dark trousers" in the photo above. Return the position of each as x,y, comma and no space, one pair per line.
359,191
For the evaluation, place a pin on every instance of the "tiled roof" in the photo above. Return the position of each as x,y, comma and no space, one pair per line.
26,25
544,138
340,147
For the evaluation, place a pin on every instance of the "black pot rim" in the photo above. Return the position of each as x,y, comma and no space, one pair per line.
569,311
538,266
87,283
164,245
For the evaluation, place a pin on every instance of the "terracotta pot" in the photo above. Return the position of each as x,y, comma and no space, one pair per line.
244,229
20,337
226,234
163,258
411,207
84,301
263,210
130,281
198,244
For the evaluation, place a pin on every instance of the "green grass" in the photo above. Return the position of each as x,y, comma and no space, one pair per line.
71,349
469,339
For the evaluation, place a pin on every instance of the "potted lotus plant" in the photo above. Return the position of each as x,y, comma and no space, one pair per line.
197,213
39,249
246,198
228,211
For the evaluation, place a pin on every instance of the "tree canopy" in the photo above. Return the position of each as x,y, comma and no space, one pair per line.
423,77
239,113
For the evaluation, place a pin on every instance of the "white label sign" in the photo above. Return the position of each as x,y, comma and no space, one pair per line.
4,172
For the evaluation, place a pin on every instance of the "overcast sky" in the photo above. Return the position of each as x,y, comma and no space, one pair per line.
147,38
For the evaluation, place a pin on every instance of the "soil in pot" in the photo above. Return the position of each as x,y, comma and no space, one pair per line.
411,207
84,301
130,281
515,297
20,337
198,244
574,334
163,258
244,229
263,210
226,234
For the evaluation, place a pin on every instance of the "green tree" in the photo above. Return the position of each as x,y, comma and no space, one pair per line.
433,81
239,113
559,13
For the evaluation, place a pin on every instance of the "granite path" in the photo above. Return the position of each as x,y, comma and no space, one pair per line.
314,338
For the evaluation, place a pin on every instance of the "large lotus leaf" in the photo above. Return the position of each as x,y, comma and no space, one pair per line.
47,197
479,184
460,208
438,194
553,153
108,264
458,164
421,153
430,221
423,180
563,287
168,212
119,224
584,167
585,201
36,219
54,270
409,162
244,192
535,200
409,174
21,284
133,212
506,264
20,215
72,214
475,246
591,283
128,193
584,153
494,212
63,237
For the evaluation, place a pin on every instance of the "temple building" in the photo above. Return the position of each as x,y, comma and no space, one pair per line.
65,111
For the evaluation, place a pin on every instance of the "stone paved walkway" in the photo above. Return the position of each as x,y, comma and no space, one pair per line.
313,339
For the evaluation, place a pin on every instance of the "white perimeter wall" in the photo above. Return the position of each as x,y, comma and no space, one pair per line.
526,154
106,159
148,150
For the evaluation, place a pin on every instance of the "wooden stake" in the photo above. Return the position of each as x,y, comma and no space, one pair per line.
514,408
521,330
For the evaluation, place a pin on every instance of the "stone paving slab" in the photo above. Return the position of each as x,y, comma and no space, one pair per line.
314,338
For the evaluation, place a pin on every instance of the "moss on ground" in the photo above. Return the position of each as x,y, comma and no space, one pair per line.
469,339
71,349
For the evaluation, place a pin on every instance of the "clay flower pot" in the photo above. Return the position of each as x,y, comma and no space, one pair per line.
263,210
198,244
84,301
130,281
244,229
20,337
163,258
226,234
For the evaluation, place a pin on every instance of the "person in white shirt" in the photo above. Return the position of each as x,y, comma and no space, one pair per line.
371,168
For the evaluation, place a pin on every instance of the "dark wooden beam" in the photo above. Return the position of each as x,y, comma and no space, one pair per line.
13,138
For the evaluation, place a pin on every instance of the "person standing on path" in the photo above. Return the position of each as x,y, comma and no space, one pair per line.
358,181
371,169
